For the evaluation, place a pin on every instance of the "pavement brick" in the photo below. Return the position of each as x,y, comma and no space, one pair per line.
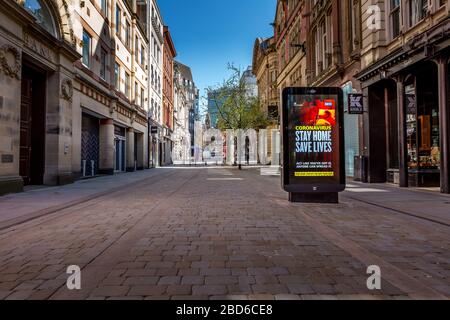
221,280
176,290
169,280
110,291
179,243
138,280
209,290
193,280
147,290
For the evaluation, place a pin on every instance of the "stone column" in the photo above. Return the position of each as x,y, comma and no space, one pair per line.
58,137
230,147
402,146
10,100
444,123
240,147
262,146
276,147
106,163
131,165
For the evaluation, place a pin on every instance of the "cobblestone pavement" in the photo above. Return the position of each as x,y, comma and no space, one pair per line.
204,233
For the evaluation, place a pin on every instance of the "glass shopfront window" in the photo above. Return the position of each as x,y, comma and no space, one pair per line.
422,124
428,124
411,123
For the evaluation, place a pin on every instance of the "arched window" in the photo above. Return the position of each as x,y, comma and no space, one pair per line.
40,10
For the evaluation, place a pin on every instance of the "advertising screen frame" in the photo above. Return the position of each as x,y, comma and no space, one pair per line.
285,174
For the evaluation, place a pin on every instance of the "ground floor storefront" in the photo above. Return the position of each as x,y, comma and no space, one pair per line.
406,126
57,124
36,91
113,136
268,248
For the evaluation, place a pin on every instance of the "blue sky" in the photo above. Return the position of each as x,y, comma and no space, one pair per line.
210,33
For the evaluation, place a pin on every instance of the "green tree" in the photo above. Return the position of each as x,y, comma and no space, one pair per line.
237,109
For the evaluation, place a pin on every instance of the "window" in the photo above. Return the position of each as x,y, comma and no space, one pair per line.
127,84
136,49
41,13
103,63
136,93
153,77
324,45
142,55
117,76
142,97
417,11
127,34
87,39
118,20
104,7
395,18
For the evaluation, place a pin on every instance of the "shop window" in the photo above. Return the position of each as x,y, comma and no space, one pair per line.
422,111
411,124
428,122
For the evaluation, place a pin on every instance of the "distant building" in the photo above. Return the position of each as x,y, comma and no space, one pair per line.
155,69
169,53
184,111
265,69
250,81
214,103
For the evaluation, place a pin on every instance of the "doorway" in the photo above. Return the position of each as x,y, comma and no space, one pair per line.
32,126
119,144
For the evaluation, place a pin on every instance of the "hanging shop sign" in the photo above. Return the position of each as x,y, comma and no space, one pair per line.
355,103
313,140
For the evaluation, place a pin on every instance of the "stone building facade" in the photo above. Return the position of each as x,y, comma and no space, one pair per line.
73,90
185,97
155,77
169,54
265,68
111,92
333,59
405,80
290,33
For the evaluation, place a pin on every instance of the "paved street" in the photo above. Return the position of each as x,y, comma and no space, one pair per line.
220,233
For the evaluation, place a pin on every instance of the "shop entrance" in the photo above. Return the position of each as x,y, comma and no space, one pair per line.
32,126
90,145
422,127
120,154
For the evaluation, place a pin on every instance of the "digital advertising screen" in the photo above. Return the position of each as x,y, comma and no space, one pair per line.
313,144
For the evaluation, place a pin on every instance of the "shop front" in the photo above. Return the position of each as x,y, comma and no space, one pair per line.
90,145
37,51
119,149
406,126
